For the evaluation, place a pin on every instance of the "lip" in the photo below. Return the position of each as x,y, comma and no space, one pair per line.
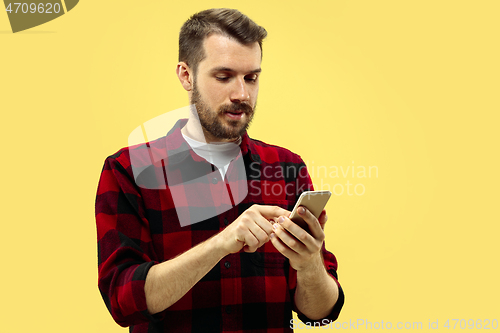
234,114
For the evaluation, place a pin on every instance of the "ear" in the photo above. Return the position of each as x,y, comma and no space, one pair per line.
185,75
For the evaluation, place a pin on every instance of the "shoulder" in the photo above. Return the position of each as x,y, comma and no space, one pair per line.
269,153
136,157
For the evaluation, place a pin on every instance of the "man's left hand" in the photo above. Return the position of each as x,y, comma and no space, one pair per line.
302,248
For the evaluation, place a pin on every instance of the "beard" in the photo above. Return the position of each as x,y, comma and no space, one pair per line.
212,122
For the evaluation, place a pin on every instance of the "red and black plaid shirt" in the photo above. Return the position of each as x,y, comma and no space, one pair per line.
139,227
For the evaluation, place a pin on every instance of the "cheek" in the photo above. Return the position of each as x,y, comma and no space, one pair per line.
213,93
255,92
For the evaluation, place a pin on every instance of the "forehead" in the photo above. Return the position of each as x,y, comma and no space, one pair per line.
222,51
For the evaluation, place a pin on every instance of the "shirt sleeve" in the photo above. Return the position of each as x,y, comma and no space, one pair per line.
125,252
304,182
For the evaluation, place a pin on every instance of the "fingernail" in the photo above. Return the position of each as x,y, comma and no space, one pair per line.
281,219
302,210
272,235
275,226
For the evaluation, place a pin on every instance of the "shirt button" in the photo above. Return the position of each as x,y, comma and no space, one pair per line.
228,309
227,264
215,180
226,222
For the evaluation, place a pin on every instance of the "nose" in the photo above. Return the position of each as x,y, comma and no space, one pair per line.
240,92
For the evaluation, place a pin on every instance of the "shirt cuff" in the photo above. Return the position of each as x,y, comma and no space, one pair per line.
139,293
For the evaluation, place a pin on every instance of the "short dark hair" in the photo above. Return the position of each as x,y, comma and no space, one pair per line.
223,21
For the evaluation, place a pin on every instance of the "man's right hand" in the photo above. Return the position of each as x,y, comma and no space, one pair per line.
250,230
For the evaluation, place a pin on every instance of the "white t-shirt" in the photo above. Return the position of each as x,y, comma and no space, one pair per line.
219,154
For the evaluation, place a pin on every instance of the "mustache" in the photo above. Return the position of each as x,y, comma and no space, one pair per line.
246,108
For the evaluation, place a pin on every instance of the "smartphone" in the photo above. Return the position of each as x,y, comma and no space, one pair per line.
315,201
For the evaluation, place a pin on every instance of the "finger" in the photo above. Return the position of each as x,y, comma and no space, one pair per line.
263,223
322,219
283,249
295,231
259,227
290,240
313,223
259,233
251,243
270,212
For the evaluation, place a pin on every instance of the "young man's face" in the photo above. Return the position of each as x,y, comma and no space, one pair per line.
226,86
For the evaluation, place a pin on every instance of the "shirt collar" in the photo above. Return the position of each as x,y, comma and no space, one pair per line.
247,146
177,149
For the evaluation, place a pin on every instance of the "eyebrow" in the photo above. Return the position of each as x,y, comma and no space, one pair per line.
227,69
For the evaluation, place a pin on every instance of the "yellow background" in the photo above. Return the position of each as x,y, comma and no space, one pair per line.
409,87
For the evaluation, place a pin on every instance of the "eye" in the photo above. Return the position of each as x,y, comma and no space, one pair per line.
252,78
222,78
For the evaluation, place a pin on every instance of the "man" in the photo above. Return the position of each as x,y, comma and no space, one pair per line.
238,270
